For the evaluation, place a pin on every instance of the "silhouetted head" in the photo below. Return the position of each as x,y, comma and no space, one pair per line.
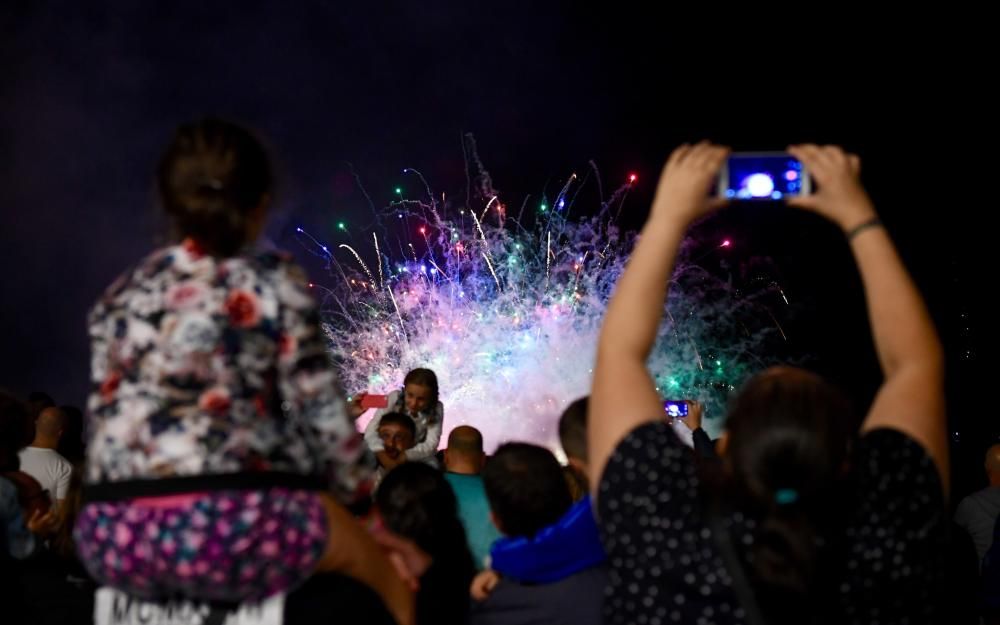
215,180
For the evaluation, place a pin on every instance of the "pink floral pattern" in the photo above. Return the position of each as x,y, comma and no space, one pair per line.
223,546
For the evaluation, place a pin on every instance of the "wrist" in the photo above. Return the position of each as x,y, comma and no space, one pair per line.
670,216
862,227
856,213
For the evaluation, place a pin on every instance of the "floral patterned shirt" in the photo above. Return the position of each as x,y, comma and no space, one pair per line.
204,366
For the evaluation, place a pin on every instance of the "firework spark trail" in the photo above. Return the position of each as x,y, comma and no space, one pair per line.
381,282
360,262
548,256
492,271
488,204
479,227
326,250
430,194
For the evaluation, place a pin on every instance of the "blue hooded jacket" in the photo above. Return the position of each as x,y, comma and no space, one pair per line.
571,545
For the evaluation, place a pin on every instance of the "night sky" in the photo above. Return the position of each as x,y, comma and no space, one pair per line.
90,95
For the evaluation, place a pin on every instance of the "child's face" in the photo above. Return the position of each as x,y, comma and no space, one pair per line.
417,398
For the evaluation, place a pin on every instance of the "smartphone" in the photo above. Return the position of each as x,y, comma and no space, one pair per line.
374,401
676,409
762,176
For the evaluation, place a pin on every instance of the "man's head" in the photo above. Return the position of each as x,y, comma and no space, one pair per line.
49,427
465,451
398,432
993,465
38,401
526,489
573,433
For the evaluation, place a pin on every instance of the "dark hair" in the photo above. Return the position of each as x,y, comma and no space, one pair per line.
71,443
788,438
399,419
416,501
577,482
14,429
37,402
526,488
41,398
421,377
466,440
212,177
573,429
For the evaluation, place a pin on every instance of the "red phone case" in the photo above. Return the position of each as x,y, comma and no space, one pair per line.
374,401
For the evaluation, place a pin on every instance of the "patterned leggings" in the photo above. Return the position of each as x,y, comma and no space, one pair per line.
219,546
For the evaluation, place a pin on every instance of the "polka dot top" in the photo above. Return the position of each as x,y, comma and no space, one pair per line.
666,567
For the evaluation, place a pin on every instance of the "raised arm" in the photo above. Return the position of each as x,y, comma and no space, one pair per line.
911,398
624,395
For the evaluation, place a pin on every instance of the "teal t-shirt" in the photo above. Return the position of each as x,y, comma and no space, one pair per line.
474,510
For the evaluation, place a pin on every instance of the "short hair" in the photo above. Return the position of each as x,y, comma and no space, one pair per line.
51,421
417,502
573,429
37,402
526,488
466,440
993,459
399,419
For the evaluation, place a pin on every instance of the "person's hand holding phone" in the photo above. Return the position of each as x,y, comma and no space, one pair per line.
693,419
691,416
690,172
691,413
840,197
363,402
354,407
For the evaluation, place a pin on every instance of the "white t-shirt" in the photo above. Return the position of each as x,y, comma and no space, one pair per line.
48,467
683,432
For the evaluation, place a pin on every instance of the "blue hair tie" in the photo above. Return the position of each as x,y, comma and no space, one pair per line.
785,496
